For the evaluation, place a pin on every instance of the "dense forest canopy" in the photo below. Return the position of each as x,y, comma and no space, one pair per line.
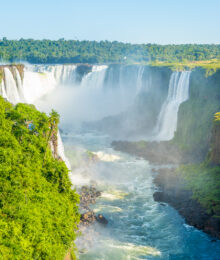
38,208
74,51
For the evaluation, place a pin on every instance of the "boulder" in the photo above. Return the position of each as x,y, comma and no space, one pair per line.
101,219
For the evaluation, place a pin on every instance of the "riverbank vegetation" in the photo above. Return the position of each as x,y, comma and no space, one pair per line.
210,66
74,51
203,180
38,208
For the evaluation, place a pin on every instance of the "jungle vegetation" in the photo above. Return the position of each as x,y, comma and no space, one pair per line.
38,209
74,51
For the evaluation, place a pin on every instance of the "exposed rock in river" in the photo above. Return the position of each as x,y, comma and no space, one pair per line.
89,194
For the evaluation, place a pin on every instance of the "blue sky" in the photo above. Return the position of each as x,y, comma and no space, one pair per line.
136,21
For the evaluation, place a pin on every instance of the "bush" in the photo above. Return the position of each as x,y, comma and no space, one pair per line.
38,208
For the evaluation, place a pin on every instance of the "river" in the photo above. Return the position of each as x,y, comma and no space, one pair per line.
139,227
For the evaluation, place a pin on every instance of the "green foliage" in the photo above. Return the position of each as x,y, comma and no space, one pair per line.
38,208
195,117
204,181
217,118
142,144
72,51
210,66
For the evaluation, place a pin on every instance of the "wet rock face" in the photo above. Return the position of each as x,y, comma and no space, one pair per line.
174,192
215,145
101,219
155,152
88,218
89,194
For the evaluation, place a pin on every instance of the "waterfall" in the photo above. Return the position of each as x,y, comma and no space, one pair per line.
62,74
10,86
178,92
19,84
37,83
2,90
90,92
139,83
61,152
95,78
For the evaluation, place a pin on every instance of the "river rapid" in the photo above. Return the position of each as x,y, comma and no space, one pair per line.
139,227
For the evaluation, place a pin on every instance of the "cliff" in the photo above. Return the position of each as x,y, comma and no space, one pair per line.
175,191
192,189
214,154
192,138
19,67
194,126
140,118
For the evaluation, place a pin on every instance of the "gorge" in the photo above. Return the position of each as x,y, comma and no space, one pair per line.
159,117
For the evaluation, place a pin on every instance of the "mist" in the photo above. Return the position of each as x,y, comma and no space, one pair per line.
124,129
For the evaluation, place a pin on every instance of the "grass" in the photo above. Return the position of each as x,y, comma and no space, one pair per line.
204,182
209,65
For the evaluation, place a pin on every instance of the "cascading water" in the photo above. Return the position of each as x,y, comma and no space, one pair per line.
104,91
139,227
178,93
37,84
10,86
63,74
139,83
95,78
2,90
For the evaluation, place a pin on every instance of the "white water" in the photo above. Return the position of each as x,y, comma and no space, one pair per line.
95,78
2,90
10,86
61,152
37,84
62,74
139,227
98,94
102,92
178,93
139,84
38,81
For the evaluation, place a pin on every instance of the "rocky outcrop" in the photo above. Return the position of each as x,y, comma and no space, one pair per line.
155,152
88,218
214,154
19,67
191,141
173,190
88,196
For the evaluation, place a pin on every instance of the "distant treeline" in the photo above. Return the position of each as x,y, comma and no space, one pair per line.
74,51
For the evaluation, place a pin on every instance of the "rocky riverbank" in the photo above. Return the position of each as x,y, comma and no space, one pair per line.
88,196
155,152
173,190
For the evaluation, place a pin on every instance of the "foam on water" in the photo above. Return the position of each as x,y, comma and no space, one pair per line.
106,157
139,227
